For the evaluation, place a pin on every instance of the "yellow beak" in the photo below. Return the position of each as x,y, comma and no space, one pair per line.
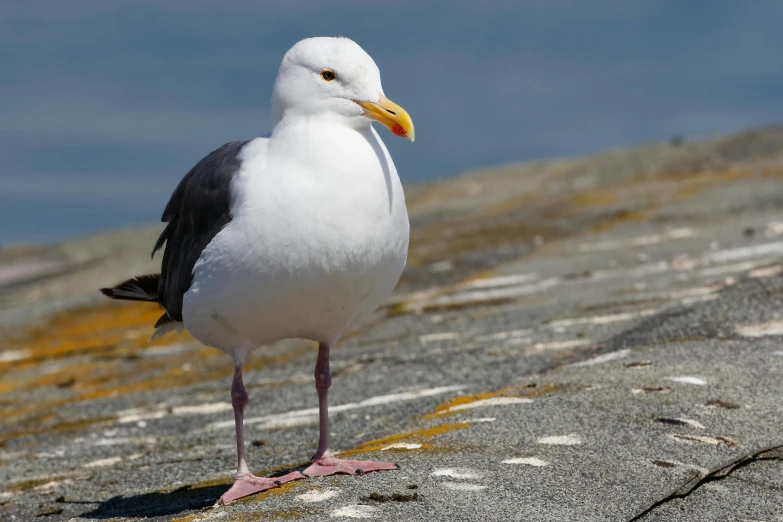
391,115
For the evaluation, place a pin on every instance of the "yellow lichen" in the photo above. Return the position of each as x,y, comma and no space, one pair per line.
417,436
99,352
529,392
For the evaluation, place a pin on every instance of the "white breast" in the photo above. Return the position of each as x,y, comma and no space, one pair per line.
318,239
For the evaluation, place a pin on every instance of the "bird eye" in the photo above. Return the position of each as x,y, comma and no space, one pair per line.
328,75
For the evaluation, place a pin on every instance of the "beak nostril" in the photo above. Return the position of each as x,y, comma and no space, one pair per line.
391,112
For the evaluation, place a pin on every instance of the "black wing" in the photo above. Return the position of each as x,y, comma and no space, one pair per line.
198,209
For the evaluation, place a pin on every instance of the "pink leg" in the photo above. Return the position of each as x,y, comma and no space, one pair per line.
245,483
324,463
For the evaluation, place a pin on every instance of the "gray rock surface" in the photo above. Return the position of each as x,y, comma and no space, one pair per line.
572,340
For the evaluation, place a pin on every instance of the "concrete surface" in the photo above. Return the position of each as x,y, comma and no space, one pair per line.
576,340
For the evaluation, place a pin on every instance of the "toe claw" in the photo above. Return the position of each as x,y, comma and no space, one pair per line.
359,472
278,483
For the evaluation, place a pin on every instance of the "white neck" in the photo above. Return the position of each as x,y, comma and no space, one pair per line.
293,121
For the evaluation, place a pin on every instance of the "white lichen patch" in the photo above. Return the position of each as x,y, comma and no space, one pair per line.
506,292
652,239
441,266
694,294
439,336
485,403
502,336
559,345
494,282
200,409
355,511
760,329
515,341
211,516
14,355
402,445
318,495
773,229
457,473
49,487
103,463
767,271
137,417
118,441
528,461
743,266
748,252
602,319
600,359
561,440
687,379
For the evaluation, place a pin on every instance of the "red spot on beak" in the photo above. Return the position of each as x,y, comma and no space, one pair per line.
398,130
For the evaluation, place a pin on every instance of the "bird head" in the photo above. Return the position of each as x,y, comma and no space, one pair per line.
335,78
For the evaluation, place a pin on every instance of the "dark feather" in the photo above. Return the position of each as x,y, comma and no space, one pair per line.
139,288
167,232
198,209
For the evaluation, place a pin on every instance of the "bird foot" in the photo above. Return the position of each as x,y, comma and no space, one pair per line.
248,484
329,465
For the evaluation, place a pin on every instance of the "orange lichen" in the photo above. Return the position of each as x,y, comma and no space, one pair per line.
53,424
200,485
520,216
412,436
286,488
189,518
288,514
29,484
621,216
459,401
771,172
89,331
592,198
528,392
100,351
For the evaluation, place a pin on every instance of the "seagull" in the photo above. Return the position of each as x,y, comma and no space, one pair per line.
299,235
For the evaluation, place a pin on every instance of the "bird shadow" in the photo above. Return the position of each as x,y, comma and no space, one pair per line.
157,504
163,503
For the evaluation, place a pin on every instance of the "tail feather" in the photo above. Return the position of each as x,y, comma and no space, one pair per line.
139,288
144,288
166,327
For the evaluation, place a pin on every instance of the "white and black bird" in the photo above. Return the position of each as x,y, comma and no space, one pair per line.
299,235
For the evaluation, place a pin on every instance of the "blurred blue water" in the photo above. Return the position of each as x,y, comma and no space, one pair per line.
105,104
